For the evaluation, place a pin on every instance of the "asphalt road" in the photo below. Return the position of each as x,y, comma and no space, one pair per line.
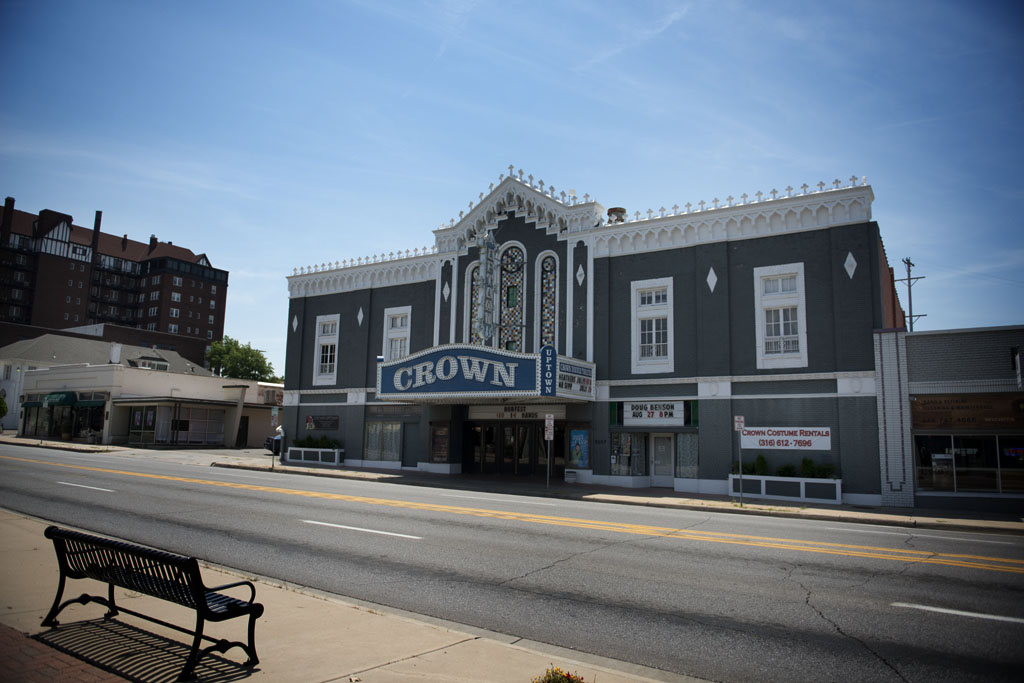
717,596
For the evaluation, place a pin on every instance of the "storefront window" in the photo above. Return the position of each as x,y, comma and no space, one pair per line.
629,454
1011,463
686,456
383,441
976,463
956,463
934,463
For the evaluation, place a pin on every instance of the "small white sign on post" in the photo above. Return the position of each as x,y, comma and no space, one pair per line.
738,422
549,427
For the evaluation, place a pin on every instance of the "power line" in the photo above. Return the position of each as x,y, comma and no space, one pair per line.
910,294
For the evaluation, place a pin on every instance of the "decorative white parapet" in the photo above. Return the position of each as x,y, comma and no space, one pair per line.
562,214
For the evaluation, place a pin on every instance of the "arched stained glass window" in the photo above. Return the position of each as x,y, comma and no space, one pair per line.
548,300
512,279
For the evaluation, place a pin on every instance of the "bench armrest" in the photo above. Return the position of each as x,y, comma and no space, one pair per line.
252,588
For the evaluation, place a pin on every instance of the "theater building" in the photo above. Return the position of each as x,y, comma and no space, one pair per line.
646,337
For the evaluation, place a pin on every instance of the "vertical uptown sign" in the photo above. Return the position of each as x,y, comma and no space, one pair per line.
548,370
456,371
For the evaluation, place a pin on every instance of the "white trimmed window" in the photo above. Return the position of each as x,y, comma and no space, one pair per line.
175,312
397,323
651,340
175,296
176,281
781,308
172,328
325,357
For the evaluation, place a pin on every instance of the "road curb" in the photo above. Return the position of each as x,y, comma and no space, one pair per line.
981,526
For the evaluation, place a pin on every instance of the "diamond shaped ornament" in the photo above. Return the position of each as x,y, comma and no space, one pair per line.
446,291
295,323
359,316
712,279
580,275
850,264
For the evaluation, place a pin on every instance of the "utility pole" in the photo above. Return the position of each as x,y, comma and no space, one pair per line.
910,294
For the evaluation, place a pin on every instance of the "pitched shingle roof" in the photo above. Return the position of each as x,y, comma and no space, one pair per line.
111,245
53,349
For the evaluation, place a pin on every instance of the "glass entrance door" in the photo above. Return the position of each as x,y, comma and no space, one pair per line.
518,454
485,449
661,460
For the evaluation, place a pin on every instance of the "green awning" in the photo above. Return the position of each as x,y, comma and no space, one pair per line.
60,398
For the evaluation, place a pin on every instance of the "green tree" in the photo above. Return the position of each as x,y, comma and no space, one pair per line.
228,358
3,407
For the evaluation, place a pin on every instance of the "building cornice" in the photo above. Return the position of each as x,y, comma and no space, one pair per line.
564,216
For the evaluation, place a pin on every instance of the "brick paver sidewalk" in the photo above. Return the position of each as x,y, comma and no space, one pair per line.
25,660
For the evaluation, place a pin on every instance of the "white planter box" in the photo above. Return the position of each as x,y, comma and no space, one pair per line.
314,456
788,488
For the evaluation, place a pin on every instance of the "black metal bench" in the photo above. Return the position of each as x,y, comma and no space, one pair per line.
156,573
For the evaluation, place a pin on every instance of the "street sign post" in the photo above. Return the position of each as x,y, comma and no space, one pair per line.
739,422
549,436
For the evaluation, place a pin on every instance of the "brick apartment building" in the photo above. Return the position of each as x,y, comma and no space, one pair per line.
57,275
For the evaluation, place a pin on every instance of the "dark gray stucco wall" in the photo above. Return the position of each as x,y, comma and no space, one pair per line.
713,328
580,315
714,331
445,314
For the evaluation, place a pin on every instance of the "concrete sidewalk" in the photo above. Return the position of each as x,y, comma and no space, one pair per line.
303,635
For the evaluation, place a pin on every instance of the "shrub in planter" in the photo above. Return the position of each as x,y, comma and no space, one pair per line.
808,469
314,442
761,465
556,675
826,471
787,470
748,468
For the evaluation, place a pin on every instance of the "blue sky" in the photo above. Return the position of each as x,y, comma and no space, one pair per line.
274,135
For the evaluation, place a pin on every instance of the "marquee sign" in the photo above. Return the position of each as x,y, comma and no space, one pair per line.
655,413
468,371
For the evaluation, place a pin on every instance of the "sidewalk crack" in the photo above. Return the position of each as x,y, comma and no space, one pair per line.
352,674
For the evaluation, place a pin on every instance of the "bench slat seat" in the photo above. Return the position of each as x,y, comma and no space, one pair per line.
157,573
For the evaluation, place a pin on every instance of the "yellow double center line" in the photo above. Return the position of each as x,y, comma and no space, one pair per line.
899,555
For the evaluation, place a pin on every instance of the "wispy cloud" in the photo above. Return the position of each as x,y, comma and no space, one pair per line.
1006,262
634,38
126,164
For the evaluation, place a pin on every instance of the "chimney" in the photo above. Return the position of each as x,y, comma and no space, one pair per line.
124,242
152,243
96,237
115,353
5,222
616,214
